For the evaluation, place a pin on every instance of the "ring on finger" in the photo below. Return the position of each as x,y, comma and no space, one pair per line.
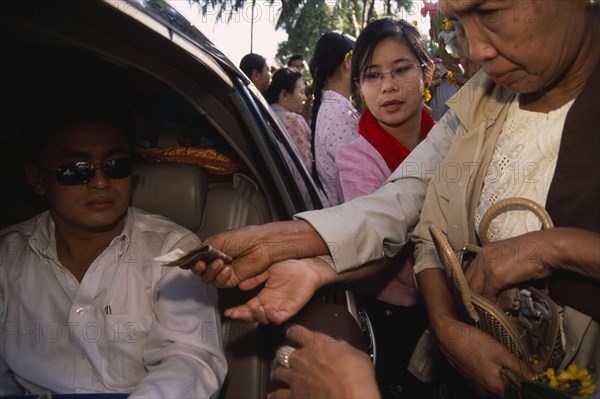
283,355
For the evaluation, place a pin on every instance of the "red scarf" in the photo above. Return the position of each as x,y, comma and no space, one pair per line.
390,149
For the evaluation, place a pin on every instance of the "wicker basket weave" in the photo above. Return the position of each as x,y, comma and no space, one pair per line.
542,341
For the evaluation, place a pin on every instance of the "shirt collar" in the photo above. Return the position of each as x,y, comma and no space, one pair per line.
43,238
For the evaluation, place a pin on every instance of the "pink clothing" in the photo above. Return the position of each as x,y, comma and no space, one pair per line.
337,123
363,170
299,131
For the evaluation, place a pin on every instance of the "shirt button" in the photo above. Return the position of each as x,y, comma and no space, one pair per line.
81,355
79,311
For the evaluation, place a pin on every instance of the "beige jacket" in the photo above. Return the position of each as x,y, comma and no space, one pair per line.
452,198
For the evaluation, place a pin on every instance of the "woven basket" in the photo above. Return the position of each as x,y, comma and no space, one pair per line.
504,319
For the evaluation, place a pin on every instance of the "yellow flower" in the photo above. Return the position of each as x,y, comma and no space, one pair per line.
450,78
427,95
573,373
572,380
587,389
446,24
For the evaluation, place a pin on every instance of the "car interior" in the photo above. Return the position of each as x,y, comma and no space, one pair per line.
181,101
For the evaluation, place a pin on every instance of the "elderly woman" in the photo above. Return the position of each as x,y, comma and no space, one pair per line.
528,127
530,132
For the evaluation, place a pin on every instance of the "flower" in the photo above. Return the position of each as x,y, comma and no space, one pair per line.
451,78
447,24
429,9
572,380
427,95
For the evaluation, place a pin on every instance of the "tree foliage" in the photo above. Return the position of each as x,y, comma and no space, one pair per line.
306,20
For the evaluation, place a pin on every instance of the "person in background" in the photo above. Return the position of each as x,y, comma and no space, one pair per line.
286,96
334,118
453,68
84,308
257,69
442,88
297,61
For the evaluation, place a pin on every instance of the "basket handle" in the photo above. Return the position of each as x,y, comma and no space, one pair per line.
509,204
454,269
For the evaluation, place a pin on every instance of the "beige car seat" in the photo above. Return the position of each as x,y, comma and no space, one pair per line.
186,195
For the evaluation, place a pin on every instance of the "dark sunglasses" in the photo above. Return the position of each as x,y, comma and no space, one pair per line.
73,174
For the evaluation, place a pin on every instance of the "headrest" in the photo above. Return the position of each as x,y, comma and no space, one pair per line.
175,191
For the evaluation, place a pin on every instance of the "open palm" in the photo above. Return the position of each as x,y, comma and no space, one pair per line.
288,286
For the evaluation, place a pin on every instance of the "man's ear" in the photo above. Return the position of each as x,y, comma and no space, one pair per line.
34,177
254,76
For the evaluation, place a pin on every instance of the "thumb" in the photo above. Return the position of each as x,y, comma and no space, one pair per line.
520,368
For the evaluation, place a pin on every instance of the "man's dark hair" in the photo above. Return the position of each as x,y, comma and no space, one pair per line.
60,110
252,62
295,57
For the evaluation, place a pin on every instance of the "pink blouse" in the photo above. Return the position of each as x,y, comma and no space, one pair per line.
299,131
363,170
337,123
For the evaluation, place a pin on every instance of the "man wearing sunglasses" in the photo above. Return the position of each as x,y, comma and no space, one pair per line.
84,307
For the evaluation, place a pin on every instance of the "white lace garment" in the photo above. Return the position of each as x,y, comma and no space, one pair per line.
523,165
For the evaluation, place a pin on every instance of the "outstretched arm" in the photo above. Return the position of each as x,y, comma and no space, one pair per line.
353,233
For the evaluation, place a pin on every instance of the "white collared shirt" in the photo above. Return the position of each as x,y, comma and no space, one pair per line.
131,325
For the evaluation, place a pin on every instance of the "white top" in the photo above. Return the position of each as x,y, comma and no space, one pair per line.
130,326
523,165
337,123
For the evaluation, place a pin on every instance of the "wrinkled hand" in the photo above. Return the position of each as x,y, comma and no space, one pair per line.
289,285
478,357
323,367
505,263
250,258
255,248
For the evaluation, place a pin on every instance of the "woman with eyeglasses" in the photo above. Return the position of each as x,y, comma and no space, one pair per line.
392,69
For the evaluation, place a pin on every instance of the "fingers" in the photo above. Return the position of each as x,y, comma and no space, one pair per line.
475,277
304,336
281,374
253,282
241,312
210,270
282,393
518,367
252,310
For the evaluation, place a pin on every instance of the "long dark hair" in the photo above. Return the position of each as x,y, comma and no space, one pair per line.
282,79
330,52
379,30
